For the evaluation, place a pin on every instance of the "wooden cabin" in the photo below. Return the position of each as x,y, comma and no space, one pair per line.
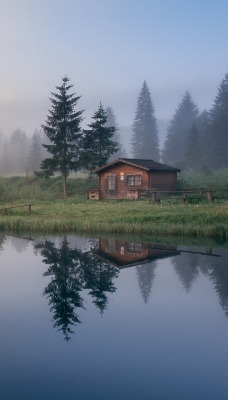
128,178
123,254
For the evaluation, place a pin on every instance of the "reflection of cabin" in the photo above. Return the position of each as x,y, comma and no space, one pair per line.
128,178
122,253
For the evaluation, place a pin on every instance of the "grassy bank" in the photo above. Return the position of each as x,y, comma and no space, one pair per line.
120,217
51,213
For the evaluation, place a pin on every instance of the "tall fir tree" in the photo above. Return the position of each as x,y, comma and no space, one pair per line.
193,154
35,152
145,133
218,130
64,133
98,143
177,136
202,124
111,121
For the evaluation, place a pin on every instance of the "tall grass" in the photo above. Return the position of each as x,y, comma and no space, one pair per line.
50,213
32,188
218,181
132,217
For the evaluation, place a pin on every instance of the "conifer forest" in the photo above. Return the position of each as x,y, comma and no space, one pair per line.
195,140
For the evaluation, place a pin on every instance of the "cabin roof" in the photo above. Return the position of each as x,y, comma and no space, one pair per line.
148,165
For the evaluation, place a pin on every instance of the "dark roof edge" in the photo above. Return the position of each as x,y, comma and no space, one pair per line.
127,161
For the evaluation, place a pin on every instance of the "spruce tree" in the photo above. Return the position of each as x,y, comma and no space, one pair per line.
98,143
177,136
63,131
218,130
193,153
111,121
35,152
202,124
145,133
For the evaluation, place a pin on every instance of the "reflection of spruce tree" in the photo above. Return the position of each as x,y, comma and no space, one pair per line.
64,289
2,240
98,277
219,276
146,275
73,270
187,269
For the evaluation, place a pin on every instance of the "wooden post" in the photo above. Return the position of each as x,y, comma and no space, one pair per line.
210,196
154,197
29,208
184,198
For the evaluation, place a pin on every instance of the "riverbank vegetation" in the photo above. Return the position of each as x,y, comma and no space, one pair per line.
50,213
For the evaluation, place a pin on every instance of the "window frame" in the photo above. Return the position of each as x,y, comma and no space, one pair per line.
131,180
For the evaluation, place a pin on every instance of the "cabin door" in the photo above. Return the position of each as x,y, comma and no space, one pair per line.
111,186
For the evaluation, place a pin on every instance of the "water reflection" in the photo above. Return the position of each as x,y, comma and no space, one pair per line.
123,254
163,331
71,271
78,271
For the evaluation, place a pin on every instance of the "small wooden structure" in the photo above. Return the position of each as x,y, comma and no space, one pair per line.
123,254
5,209
128,178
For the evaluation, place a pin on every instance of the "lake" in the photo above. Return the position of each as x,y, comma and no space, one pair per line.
112,318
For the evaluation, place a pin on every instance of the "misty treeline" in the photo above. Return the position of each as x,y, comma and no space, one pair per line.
23,154
20,153
194,141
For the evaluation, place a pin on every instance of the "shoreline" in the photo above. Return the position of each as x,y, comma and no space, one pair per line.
125,217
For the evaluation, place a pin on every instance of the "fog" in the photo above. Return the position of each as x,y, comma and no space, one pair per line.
107,49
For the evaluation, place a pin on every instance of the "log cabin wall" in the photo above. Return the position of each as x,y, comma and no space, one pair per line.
163,180
119,182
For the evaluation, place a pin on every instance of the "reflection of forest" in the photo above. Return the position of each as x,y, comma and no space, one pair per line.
71,271
190,266
78,270
2,239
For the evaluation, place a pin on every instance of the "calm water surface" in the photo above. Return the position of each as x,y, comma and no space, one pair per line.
106,318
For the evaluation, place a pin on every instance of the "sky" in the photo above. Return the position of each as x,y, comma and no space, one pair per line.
108,48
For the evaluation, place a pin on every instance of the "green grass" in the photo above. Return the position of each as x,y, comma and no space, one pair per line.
31,188
51,213
217,181
131,217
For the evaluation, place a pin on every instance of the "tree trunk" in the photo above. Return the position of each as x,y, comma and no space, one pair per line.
64,186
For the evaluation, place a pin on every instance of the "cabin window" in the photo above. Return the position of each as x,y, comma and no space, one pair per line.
133,247
134,180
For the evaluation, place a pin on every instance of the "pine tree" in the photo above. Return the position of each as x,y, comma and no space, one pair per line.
35,152
63,130
98,144
218,129
177,136
145,133
193,153
111,121
202,124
